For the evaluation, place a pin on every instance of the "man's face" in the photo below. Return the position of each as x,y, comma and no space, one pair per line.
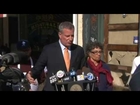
66,37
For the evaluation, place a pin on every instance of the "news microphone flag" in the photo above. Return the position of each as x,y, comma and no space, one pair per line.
3,15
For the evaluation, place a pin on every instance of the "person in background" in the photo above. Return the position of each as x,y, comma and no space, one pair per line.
60,55
99,68
134,82
135,63
24,46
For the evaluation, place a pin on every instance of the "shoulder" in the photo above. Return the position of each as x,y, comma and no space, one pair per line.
77,47
49,46
138,67
136,59
105,65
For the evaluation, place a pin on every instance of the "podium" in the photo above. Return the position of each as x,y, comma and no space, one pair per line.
75,85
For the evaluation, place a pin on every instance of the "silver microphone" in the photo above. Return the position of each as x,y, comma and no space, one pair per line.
60,75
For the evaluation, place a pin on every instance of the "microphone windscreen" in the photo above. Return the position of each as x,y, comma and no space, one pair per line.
85,70
22,57
72,69
79,72
15,57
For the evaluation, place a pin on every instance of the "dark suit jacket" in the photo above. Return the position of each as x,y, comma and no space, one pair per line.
134,83
52,57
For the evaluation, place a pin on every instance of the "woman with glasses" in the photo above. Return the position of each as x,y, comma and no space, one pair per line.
99,68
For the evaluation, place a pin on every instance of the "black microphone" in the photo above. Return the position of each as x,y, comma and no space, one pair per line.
73,74
79,72
53,79
67,77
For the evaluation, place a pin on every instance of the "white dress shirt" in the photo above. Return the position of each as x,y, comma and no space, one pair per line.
135,64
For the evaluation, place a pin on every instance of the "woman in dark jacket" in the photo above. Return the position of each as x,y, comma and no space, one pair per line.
99,68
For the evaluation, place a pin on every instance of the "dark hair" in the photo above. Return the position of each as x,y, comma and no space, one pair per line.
65,24
92,45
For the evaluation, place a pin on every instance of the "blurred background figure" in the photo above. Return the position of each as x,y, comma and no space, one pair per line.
4,49
24,46
135,64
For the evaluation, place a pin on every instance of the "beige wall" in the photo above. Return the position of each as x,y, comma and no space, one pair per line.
117,18
124,57
122,37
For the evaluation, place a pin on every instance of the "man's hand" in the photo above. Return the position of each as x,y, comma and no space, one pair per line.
30,78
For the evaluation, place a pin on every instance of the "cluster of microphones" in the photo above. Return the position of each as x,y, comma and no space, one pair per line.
72,75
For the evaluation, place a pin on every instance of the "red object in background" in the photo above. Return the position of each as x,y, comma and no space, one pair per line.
3,15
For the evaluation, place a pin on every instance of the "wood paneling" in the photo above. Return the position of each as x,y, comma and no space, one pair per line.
114,47
120,68
123,27
119,24
106,31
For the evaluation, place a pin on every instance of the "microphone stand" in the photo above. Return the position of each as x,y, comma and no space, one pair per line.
55,84
93,87
63,87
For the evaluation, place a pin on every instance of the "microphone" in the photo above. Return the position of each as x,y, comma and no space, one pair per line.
73,74
67,77
60,74
85,70
80,75
88,76
14,58
79,72
53,79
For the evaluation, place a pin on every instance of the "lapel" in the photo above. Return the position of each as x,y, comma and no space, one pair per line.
60,55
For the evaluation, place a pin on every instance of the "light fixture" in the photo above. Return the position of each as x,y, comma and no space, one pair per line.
124,15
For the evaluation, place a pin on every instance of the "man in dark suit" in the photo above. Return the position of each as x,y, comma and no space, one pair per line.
52,56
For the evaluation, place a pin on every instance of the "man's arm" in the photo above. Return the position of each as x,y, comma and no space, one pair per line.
40,64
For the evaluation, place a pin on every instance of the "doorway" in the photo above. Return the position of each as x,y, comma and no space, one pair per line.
41,29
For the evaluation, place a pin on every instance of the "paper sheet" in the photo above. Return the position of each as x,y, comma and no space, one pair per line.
34,87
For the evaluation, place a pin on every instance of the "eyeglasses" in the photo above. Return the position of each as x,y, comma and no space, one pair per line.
96,52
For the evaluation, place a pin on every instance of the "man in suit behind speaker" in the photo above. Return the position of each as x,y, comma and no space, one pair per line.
53,54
